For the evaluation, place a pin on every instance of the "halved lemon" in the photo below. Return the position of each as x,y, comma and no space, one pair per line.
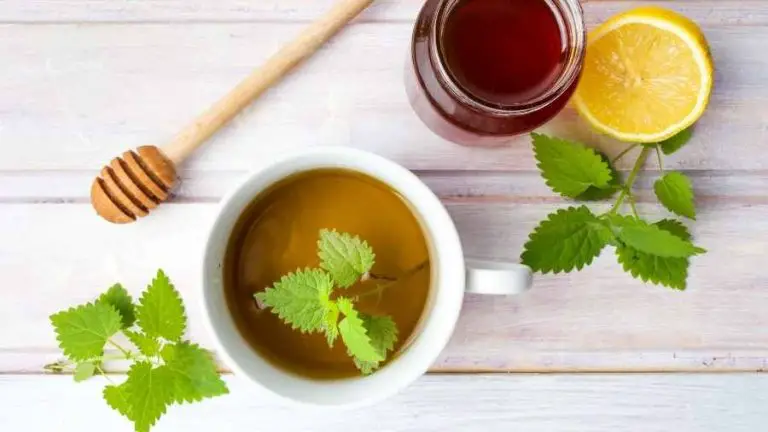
647,75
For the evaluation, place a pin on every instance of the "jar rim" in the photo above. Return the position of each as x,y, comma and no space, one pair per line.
568,12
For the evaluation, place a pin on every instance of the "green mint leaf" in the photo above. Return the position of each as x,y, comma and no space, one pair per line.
651,239
570,238
597,194
383,333
147,391
193,371
148,346
674,227
117,399
674,190
84,370
188,373
569,168
118,297
82,331
301,299
161,312
669,272
671,145
355,335
331,324
344,256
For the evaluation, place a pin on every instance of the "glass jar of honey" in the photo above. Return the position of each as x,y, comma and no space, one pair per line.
482,71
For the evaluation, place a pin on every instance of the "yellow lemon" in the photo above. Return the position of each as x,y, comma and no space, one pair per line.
647,75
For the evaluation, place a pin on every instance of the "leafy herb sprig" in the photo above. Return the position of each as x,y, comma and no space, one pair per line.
165,369
572,238
305,300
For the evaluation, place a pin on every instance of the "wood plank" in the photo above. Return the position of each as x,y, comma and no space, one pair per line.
533,403
743,12
77,95
57,187
54,256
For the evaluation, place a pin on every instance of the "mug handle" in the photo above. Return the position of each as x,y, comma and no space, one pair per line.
497,278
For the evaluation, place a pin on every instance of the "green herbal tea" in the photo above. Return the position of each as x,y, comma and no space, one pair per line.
278,234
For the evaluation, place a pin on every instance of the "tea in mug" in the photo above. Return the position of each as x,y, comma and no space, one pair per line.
278,233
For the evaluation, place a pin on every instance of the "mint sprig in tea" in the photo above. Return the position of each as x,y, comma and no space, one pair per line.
326,274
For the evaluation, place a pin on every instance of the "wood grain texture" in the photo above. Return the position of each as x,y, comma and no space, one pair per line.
598,319
260,79
84,79
76,95
711,187
743,12
531,403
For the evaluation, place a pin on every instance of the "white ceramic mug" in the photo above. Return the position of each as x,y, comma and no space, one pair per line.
451,277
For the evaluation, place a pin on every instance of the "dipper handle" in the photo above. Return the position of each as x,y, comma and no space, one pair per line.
135,183
261,79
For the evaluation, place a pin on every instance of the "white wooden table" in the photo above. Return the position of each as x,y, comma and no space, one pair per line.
81,80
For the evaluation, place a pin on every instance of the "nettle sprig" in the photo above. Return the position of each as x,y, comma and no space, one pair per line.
308,299
572,238
165,369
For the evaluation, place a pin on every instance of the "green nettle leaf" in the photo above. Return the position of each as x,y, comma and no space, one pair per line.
675,143
569,168
382,331
117,399
331,324
568,239
674,227
165,373
651,239
670,272
83,331
118,297
84,370
147,392
344,256
355,335
161,312
301,299
193,372
596,194
675,192
148,346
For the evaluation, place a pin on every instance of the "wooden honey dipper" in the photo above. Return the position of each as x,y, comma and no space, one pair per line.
132,185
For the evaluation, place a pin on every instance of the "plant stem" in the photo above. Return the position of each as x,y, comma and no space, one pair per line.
627,190
658,155
391,280
634,207
375,277
104,374
57,366
67,365
126,353
624,153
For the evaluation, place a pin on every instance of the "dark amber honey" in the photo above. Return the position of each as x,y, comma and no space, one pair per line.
485,70
503,52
